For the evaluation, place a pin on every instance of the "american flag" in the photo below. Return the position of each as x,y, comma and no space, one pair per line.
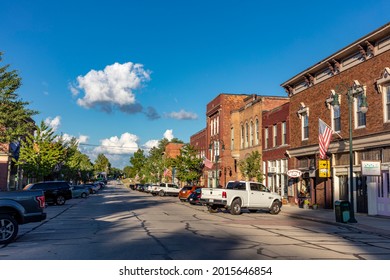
324,137
208,163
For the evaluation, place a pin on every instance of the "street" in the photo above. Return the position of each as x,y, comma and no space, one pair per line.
122,224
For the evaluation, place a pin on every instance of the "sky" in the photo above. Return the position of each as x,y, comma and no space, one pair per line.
121,75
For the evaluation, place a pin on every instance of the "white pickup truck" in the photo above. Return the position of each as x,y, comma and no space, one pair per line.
165,189
241,194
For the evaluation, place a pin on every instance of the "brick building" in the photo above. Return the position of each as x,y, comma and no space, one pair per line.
276,135
233,131
218,138
172,150
198,141
246,127
360,71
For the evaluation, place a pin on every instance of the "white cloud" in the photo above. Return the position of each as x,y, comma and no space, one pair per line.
82,139
150,144
182,115
53,123
112,87
127,143
169,134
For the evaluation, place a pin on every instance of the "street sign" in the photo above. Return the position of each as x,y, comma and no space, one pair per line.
294,173
324,168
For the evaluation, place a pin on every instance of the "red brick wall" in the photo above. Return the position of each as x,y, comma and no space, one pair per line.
314,98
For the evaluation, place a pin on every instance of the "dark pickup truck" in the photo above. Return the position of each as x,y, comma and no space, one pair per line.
17,208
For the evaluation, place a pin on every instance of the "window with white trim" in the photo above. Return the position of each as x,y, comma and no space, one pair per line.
251,134
303,114
284,133
386,89
242,136
360,116
275,134
266,138
257,131
305,126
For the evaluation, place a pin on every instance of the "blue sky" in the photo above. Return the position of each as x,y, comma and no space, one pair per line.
121,75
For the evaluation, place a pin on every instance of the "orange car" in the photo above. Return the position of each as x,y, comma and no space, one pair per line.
186,191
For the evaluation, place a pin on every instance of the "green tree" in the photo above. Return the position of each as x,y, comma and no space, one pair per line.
188,165
250,167
15,119
137,161
102,164
40,154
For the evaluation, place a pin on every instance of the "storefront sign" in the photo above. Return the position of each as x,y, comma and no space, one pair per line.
371,168
294,173
324,168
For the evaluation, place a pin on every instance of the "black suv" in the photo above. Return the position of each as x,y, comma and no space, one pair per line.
56,192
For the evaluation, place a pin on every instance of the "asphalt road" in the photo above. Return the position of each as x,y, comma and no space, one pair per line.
121,224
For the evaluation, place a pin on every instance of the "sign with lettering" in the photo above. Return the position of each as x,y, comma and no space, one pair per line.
371,168
324,168
294,173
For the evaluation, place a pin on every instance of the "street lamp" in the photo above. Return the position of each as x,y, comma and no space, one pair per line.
350,92
214,144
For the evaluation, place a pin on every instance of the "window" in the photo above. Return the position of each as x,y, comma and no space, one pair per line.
246,135
387,102
360,117
336,121
211,127
284,133
305,127
251,134
242,136
217,124
266,138
257,132
275,134
232,138
303,114
383,87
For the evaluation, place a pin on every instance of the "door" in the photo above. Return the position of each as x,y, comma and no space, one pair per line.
258,195
384,195
343,188
361,194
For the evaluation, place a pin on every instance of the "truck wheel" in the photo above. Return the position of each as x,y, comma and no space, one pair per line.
83,195
235,208
275,208
60,200
8,229
212,208
161,193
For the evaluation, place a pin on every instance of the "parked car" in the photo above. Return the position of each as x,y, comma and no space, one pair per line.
186,191
92,187
56,192
80,191
242,194
166,189
17,208
194,197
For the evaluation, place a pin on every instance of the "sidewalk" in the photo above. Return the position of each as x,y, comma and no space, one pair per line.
377,224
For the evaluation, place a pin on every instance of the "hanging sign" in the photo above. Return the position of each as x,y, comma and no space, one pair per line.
324,168
371,168
294,173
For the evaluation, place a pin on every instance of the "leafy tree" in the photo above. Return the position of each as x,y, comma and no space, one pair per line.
188,165
40,154
15,118
137,161
250,167
102,164
77,166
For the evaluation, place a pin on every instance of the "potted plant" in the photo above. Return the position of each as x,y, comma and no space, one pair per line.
315,206
306,204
